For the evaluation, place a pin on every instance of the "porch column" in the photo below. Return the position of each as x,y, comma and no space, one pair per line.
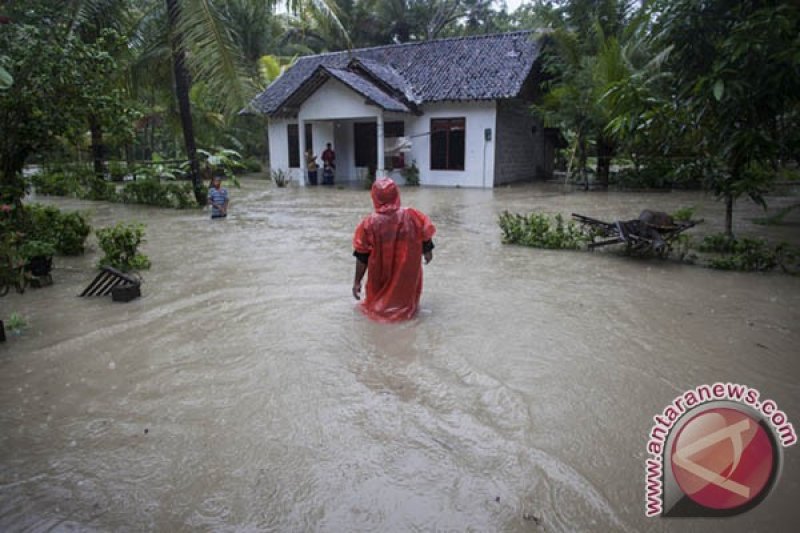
301,137
379,172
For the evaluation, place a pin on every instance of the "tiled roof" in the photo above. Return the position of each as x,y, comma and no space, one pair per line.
467,68
367,89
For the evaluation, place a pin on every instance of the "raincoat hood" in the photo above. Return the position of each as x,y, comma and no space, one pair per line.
385,196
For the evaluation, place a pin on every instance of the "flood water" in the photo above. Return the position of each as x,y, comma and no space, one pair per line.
244,392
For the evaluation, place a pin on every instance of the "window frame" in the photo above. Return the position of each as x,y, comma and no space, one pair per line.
449,125
293,135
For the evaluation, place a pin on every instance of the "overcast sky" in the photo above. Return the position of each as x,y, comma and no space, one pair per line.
512,4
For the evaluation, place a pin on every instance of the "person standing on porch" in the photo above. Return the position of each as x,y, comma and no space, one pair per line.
329,156
389,246
311,164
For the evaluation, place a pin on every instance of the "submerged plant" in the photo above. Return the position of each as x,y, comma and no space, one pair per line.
684,214
411,174
120,244
16,323
280,177
749,255
541,231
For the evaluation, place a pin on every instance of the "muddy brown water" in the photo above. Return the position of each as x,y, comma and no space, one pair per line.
244,392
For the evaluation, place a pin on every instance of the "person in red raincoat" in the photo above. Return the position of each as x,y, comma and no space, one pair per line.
389,246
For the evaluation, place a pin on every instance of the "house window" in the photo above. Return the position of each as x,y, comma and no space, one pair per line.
447,143
366,140
294,144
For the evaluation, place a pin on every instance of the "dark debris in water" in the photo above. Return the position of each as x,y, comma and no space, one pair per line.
530,517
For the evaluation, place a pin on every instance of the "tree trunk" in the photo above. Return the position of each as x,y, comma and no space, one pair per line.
97,147
729,215
182,86
12,186
605,151
582,162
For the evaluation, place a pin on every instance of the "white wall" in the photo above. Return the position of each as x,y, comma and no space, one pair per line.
479,154
336,101
279,147
334,108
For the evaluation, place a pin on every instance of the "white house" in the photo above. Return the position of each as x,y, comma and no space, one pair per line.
459,109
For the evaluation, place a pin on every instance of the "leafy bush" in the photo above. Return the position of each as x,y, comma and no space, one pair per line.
67,232
149,189
17,323
251,165
32,248
57,183
222,162
684,214
280,177
120,244
145,191
152,191
411,175
541,231
718,243
748,255
100,189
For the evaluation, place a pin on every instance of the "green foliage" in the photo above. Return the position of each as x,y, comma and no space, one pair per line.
683,214
32,248
748,255
411,174
120,244
734,73
251,165
541,231
57,183
152,191
280,177
65,231
16,323
59,81
148,189
12,272
222,162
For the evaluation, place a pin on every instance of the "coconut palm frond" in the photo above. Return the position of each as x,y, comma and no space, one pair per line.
212,55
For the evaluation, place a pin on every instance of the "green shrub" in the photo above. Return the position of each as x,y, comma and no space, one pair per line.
99,189
281,178
718,243
66,231
411,175
145,191
120,244
181,194
684,214
748,255
17,323
251,165
32,248
57,183
541,231
152,191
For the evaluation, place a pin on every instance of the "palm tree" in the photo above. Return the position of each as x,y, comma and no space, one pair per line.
585,58
199,26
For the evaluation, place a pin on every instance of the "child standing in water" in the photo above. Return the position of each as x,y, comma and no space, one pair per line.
327,174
